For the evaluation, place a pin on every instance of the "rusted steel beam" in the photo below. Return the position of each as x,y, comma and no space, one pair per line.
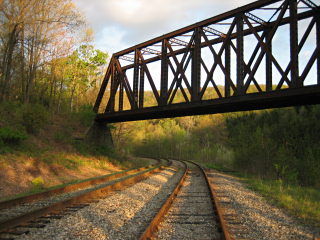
268,64
256,19
164,73
214,32
126,58
121,93
301,44
310,4
126,84
295,80
154,89
245,72
103,87
113,90
246,32
196,66
217,57
136,78
253,101
141,88
178,42
264,49
227,63
151,51
239,53
177,80
318,45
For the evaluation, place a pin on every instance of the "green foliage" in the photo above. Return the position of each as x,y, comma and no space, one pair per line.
282,144
61,159
9,136
193,138
34,117
85,115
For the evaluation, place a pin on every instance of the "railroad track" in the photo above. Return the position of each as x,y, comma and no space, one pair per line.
19,215
189,212
186,208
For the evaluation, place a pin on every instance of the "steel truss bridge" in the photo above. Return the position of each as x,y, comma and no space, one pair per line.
263,55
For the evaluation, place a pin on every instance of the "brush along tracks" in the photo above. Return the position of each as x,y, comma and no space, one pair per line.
19,215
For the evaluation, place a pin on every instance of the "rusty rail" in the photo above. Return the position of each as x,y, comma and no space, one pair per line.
69,188
223,223
84,198
148,233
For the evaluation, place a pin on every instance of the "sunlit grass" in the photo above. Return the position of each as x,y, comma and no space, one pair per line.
303,202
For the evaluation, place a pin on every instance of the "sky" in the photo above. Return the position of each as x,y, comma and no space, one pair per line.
119,24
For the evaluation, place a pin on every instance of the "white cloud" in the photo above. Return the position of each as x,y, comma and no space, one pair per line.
122,23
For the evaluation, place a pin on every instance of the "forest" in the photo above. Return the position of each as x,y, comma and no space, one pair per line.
47,56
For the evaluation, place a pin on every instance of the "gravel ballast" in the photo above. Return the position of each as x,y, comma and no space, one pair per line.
191,216
258,219
123,215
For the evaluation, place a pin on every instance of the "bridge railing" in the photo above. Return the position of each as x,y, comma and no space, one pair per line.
265,46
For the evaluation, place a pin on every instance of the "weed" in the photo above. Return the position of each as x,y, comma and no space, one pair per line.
37,183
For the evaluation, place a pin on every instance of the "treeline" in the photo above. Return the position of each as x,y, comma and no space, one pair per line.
282,144
46,56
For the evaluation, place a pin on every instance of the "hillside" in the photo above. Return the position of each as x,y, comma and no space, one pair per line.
40,149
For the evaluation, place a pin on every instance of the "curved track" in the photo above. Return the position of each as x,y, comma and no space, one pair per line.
36,210
186,208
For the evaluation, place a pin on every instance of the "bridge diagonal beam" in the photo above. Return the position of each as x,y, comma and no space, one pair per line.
217,59
300,46
310,4
113,89
178,83
266,49
150,79
212,81
103,87
247,67
215,64
310,63
268,41
176,74
126,84
180,65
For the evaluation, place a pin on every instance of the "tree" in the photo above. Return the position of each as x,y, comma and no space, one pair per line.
29,30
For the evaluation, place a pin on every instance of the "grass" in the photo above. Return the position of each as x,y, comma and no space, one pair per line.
38,184
74,161
302,202
217,167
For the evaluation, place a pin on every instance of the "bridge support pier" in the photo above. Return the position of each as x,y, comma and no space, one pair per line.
99,135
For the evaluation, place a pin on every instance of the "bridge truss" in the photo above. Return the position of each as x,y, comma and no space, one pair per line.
263,55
